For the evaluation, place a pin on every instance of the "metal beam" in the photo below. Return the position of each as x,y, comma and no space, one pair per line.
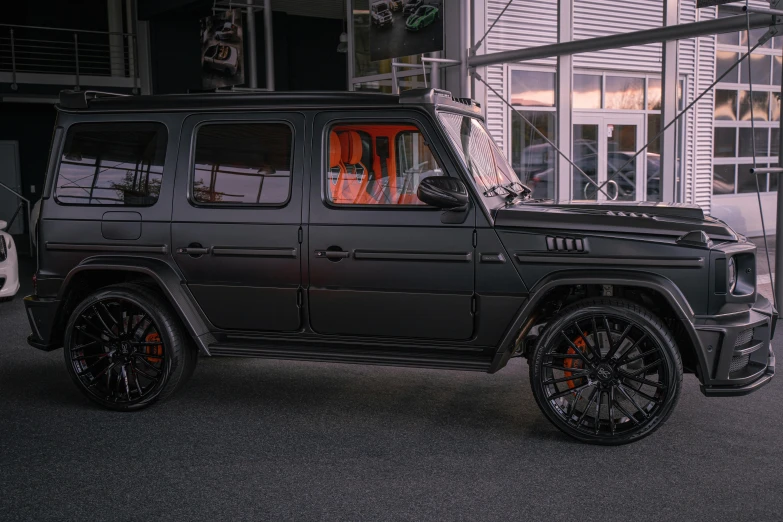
662,34
269,46
465,18
669,108
565,87
252,60
776,283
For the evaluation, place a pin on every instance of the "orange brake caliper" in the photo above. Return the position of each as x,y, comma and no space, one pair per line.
153,349
575,363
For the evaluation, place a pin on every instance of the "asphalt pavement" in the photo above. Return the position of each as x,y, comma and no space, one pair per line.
252,439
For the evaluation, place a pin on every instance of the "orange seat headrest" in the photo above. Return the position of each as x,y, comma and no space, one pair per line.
335,150
351,145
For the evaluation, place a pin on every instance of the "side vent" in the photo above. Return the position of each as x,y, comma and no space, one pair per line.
565,244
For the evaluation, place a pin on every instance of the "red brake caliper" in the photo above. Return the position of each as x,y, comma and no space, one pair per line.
575,362
153,349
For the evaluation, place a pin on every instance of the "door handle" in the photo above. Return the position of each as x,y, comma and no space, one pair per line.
332,254
193,250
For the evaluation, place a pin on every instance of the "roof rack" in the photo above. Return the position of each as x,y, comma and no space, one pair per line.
79,99
438,97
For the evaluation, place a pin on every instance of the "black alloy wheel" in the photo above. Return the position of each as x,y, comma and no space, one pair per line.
124,348
606,372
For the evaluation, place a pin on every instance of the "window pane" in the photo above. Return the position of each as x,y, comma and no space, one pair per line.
725,105
586,158
624,93
379,164
248,163
746,182
724,60
112,164
725,142
746,142
760,106
727,38
532,157
653,128
755,36
775,103
777,64
533,88
774,142
723,179
773,179
654,94
384,86
759,69
587,91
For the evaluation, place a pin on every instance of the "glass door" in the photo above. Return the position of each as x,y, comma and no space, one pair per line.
604,146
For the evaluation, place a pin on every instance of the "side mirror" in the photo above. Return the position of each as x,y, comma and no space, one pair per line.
3,224
445,193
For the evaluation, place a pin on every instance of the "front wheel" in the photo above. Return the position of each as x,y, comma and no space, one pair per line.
125,348
606,371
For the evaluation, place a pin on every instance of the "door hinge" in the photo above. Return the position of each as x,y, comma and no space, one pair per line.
301,235
475,238
473,304
299,297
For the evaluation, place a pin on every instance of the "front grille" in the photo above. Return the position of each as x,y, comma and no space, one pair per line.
744,338
739,363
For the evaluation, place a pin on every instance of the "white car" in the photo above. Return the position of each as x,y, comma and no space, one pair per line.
222,58
227,33
9,265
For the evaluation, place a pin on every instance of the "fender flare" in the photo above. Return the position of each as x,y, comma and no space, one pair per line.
167,279
660,284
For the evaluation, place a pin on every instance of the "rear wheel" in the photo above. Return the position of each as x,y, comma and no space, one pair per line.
125,348
606,371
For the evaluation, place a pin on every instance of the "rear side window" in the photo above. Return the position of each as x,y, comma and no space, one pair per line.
242,164
112,164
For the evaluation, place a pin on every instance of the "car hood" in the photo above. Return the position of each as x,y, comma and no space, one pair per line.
659,219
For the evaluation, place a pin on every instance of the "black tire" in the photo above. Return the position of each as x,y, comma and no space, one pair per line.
125,348
636,368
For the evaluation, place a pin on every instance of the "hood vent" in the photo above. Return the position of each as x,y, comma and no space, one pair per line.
565,244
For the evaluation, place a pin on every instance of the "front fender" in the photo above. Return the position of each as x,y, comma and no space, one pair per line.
660,284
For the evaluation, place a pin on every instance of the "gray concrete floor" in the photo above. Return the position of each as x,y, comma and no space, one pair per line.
271,440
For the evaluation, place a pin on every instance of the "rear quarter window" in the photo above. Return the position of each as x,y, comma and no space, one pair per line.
118,163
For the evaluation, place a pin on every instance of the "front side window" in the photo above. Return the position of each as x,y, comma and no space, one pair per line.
112,164
488,168
242,164
377,164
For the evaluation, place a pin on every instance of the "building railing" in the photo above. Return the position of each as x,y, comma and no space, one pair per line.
82,55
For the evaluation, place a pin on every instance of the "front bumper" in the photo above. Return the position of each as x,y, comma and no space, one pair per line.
42,314
738,351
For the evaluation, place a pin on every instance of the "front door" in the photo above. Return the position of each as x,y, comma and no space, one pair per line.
382,263
604,146
237,216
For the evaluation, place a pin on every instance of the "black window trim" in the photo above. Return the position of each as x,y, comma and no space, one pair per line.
368,120
61,151
234,205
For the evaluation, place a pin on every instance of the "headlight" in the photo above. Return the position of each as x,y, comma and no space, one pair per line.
3,249
732,275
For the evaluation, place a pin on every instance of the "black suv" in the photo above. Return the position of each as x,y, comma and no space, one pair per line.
378,229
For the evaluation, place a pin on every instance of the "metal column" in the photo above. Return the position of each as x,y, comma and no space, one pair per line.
779,227
434,71
565,85
269,46
669,83
252,59
465,44
116,45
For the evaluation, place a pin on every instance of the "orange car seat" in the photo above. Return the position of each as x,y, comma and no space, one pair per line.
351,184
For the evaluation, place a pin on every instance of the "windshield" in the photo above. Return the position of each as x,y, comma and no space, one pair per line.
490,170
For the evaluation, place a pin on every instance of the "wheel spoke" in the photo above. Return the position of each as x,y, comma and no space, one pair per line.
632,401
598,411
587,407
648,382
91,336
630,349
573,405
641,356
577,349
611,410
142,355
576,376
641,393
616,345
146,343
643,370
90,367
622,410
85,345
107,330
125,379
566,392
593,350
136,379
561,368
94,380
145,374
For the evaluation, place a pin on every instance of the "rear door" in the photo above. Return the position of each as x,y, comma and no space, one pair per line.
382,263
237,216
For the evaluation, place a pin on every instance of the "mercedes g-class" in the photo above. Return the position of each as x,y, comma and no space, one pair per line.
375,229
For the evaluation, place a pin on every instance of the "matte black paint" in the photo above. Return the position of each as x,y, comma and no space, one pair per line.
375,284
